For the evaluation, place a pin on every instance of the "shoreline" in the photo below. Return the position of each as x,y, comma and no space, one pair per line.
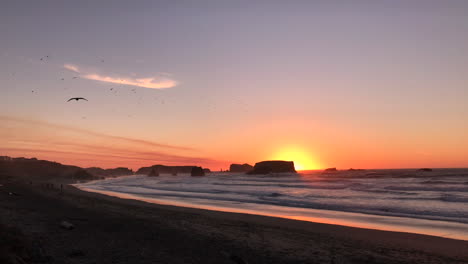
256,238
357,220
391,221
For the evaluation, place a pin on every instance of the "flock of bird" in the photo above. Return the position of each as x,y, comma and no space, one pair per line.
45,58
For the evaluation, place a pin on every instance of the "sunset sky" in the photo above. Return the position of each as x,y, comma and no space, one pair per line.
372,84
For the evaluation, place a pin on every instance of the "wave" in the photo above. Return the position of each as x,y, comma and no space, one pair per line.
431,198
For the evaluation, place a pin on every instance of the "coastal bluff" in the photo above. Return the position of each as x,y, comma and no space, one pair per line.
172,170
32,169
273,166
115,172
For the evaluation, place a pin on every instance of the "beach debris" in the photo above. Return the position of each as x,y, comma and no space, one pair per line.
77,99
67,225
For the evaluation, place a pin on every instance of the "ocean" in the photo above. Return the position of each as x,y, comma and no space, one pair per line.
434,203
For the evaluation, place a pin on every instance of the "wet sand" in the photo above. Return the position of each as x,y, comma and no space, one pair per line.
114,230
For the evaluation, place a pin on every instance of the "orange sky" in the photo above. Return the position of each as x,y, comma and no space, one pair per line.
314,150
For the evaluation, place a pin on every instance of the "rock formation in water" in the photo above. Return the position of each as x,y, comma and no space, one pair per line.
197,171
240,167
351,169
425,169
273,166
330,170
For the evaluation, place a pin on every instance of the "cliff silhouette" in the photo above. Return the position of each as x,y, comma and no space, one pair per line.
40,170
163,169
115,172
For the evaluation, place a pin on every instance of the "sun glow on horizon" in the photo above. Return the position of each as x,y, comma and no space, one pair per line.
302,159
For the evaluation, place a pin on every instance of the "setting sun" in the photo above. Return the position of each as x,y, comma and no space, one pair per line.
302,159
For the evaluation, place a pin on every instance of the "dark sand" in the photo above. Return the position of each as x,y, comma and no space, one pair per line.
113,230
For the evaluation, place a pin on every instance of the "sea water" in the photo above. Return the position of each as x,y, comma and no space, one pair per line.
434,202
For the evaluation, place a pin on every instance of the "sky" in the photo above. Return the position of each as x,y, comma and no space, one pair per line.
367,84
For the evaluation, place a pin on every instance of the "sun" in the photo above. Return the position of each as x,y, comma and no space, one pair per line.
302,159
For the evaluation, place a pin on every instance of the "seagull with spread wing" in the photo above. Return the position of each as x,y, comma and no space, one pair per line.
77,99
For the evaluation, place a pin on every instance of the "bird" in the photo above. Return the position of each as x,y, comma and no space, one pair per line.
77,98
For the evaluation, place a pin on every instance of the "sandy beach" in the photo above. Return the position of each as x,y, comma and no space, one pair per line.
114,230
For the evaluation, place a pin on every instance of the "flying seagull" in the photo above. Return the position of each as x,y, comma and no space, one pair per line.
77,98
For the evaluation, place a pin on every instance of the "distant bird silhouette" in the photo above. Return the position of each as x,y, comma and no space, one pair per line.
77,98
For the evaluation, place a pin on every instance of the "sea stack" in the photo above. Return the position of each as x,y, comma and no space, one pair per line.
240,167
197,171
425,169
273,166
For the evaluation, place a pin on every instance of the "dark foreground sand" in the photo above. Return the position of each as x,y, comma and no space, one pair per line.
113,230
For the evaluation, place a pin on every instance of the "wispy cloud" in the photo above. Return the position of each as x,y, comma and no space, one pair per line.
5,120
160,81
72,68
32,138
